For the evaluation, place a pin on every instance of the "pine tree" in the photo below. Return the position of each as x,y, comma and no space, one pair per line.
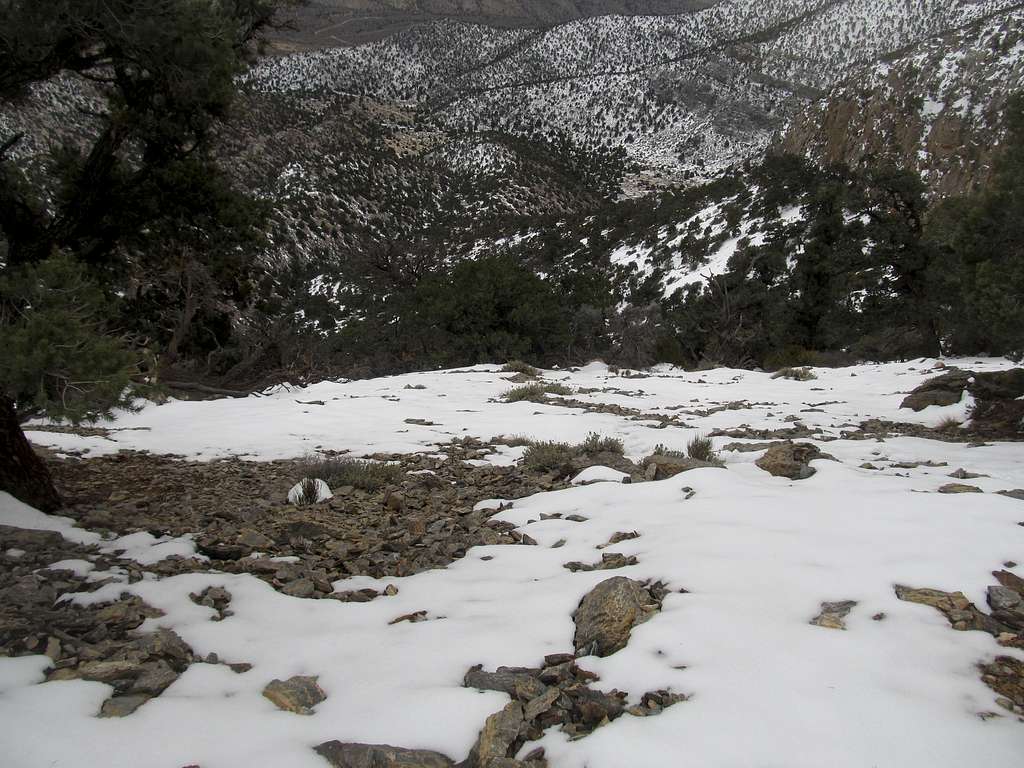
137,190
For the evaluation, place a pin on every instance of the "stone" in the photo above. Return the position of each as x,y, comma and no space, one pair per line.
299,588
499,736
297,694
832,614
609,561
963,474
515,682
959,488
1016,493
122,706
607,614
255,540
791,460
154,678
668,466
958,610
350,755
946,389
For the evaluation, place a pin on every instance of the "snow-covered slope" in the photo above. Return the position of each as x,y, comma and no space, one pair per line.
684,94
748,559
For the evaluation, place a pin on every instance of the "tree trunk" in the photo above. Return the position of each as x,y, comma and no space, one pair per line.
22,473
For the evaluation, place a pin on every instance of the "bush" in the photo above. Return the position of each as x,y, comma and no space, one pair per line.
557,389
549,456
308,492
663,450
534,392
702,449
948,424
518,366
595,443
339,471
797,374
531,392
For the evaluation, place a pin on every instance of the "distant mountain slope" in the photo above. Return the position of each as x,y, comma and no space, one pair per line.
935,107
686,95
318,24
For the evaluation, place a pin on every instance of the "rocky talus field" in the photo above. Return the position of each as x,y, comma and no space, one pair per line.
497,567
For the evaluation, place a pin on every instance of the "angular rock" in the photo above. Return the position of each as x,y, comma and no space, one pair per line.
832,614
959,488
660,466
607,614
961,612
609,561
1007,606
499,737
255,540
122,706
299,588
297,694
351,755
790,460
517,683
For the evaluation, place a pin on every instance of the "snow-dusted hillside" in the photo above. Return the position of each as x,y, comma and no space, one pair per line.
936,108
684,94
745,559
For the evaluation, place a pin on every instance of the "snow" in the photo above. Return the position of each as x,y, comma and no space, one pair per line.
323,492
756,555
599,475
147,549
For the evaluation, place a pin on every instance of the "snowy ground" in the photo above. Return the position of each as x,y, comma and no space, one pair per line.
757,554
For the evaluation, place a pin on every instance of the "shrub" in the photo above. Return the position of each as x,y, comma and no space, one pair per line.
308,492
948,424
702,449
797,374
518,366
512,441
663,450
534,392
557,389
549,456
339,471
595,443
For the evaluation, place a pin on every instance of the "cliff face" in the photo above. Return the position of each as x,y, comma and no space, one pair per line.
936,107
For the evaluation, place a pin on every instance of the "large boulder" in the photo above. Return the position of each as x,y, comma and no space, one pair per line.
998,408
351,755
790,460
607,614
946,389
661,466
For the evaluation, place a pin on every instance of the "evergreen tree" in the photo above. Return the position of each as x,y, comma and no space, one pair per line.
137,190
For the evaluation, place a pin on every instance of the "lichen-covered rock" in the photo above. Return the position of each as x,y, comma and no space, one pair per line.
946,389
832,614
660,466
961,612
297,694
790,460
499,738
351,755
607,614
959,488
